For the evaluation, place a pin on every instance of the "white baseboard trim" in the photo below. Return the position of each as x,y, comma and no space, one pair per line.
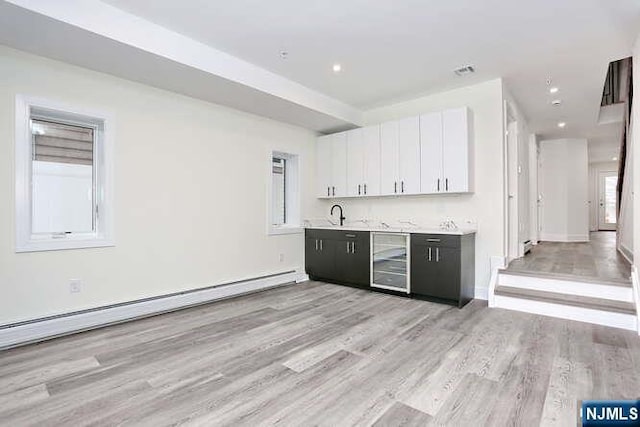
606,318
570,287
497,263
550,237
16,334
626,253
635,284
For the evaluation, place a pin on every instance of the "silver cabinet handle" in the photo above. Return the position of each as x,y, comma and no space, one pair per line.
353,247
402,186
438,184
365,189
429,254
321,244
433,240
316,244
446,184
437,254
328,191
350,235
334,190
395,187
359,189
348,246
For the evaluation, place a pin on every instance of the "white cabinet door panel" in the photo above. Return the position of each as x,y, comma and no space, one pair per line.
389,152
339,165
455,132
324,168
409,155
431,153
355,162
371,140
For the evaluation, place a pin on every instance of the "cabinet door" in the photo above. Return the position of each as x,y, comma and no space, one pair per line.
431,153
409,155
324,167
359,262
371,143
355,162
423,271
389,152
456,165
339,165
446,283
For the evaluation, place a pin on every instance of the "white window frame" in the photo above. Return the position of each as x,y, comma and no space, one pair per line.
103,234
293,223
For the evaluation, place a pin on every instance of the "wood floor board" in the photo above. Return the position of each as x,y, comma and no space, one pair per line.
319,354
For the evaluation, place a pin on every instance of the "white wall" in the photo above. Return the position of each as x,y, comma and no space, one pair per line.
563,180
190,189
532,148
485,206
594,200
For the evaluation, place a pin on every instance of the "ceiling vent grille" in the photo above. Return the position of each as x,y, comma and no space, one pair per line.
463,71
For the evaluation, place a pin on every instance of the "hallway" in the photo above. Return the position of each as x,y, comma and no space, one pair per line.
597,259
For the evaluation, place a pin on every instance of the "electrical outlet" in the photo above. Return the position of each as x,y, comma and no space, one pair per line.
281,257
75,286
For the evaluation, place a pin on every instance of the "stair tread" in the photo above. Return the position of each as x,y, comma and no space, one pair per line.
567,299
568,277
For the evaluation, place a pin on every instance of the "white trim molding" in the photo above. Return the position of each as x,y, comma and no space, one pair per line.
16,334
550,237
103,233
497,263
635,283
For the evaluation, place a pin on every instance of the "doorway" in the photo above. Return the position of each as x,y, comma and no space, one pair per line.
607,200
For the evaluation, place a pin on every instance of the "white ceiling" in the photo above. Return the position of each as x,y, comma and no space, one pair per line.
392,50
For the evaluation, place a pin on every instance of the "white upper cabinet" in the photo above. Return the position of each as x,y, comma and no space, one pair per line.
371,139
456,167
363,161
389,158
355,162
409,155
429,154
324,167
446,152
331,165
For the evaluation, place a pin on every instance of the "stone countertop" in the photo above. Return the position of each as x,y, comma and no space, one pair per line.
407,229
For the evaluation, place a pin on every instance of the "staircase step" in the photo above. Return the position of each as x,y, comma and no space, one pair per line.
569,277
567,299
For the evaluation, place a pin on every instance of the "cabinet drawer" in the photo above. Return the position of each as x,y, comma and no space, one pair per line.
342,235
434,240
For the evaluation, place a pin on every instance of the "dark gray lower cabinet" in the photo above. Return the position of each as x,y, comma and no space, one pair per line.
443,267
338,256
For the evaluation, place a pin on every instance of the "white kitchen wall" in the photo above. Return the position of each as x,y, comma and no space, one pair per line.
634,139
191,184
485,207
563,180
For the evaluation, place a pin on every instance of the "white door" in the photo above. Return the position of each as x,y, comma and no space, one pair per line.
455,168
389,151
409,155
607,200
431,153
339,165
371,179
324,167
355,162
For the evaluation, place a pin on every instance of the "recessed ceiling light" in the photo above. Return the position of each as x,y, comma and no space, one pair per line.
337,68
553,90
284,54
463,71
561,124
556,102
614,159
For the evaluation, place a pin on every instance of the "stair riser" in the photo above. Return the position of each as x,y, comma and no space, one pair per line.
598,317
586,289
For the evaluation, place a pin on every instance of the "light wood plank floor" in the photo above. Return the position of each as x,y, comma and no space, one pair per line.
319,354
597,259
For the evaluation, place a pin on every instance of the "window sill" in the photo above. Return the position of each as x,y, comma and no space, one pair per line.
57,245
287,229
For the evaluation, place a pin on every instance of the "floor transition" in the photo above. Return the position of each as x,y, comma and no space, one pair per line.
321,354
597,259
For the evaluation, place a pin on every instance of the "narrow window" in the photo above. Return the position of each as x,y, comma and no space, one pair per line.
63,190
284,202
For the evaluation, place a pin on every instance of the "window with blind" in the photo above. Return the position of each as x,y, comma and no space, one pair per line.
62,178
284,216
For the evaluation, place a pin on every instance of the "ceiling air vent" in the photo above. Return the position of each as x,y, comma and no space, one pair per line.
463,71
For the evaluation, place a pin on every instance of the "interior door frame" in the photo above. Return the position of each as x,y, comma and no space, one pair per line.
600,197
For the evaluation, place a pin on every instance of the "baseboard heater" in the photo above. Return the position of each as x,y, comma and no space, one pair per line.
21,333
